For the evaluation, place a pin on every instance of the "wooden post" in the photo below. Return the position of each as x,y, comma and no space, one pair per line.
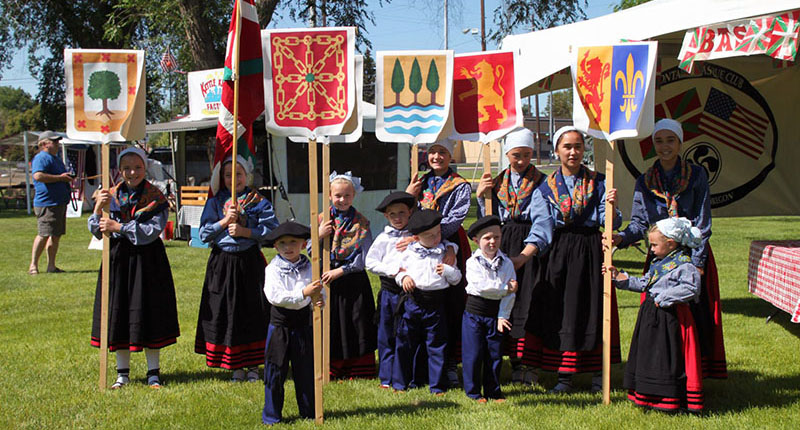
607,291
104,277
326,263
414,161
235,69
313,203
487,168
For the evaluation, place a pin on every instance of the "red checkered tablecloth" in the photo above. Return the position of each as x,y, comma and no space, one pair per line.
774,274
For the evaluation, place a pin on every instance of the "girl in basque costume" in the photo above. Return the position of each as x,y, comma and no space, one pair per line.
673,187
142,310
511,193
233,317
664,370
565,321
443,190
352,306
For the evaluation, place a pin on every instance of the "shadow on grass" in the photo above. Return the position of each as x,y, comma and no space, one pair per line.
745,390
419,407
758,308
15,213
207,374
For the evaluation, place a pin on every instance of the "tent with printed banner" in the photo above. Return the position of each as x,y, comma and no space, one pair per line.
737,113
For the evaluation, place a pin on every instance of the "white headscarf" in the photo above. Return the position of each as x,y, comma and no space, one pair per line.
447,144
347,176
565,129
248,166
671,125
680,230
133,150
519,138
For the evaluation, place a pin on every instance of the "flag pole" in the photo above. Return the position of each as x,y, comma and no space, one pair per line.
607,291
235,77
313,204
105,271
487,168
326,263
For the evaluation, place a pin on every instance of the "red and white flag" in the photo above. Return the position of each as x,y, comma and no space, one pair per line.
251,94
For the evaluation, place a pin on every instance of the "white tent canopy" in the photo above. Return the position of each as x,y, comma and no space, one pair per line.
543,53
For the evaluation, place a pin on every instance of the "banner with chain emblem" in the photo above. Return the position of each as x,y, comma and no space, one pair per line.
486,102
105,94
309,80
614,90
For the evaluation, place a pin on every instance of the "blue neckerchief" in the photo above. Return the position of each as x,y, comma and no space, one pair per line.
494,265
435,182
659,268
393,232
425,252
288,268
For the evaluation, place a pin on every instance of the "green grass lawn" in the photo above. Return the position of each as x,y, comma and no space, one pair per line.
48,371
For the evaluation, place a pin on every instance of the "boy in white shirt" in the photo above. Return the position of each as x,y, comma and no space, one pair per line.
288,287
491,284
424,279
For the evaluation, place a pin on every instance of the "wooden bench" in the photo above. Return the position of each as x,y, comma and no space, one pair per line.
194,195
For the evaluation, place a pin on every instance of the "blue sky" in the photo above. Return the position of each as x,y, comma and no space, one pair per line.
400,25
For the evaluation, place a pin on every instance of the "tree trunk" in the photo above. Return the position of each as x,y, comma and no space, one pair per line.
266,8
199,39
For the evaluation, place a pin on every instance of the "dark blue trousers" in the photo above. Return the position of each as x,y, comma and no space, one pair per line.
420,325
387,302
481,356
300,353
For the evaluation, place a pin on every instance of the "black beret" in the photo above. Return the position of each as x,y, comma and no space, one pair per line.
481,224
397,197
288,228
423,220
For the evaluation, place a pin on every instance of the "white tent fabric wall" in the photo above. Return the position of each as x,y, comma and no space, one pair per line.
750,170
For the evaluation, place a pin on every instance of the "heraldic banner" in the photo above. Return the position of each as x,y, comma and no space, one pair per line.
739,124
614,90
309,80
413,92
205,93
773,35
105,94
486,102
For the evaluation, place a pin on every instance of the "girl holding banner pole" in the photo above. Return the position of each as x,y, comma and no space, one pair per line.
233,317
443,190
566,313
673,187
511,193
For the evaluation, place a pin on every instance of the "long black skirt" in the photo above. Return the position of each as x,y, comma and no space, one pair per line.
142,307
512,243
352,307
234,313
566,313
664,368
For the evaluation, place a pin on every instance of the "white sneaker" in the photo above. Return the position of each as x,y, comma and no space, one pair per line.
238,375
122,380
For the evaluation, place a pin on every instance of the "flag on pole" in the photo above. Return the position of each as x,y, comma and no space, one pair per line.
614,90
168,61
251,99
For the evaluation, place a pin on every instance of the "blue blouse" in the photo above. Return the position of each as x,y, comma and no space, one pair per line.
694,203
679,285
453,206
261,220
499,210
546,216
138,233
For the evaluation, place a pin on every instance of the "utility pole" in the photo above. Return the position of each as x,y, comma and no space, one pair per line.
445,24
483,27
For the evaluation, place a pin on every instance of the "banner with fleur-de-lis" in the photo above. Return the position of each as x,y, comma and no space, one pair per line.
105,94
614,90
309,84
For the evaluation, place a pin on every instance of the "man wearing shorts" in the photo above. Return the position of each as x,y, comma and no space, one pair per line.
51,182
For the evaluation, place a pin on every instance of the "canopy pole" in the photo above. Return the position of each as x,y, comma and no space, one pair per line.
313,204
607,291
27,173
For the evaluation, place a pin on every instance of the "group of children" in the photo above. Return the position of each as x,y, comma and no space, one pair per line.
437,304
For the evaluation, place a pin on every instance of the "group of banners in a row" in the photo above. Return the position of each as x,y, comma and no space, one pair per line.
312,89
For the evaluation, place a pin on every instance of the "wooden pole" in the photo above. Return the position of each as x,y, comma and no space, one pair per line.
487,168
104,277
313,204
235,69
607,254
326,263
414,161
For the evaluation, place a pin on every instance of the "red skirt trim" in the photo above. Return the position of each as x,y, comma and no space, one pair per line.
157,344
232,357
360,367
692,403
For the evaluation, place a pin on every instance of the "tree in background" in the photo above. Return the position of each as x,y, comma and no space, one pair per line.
562,104
532,15
625,4
18,112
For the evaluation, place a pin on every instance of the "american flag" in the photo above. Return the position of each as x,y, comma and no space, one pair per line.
76,160
733,125
168,62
